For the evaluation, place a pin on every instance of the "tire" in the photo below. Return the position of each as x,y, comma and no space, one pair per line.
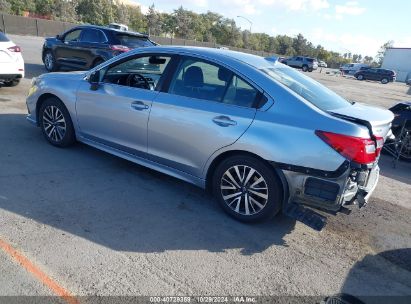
384,80
50,62
305,68
96,62
56,124
246,206
310,70
12,83
406,151
360,77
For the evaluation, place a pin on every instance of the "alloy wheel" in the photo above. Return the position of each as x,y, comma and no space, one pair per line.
54,123
48,61
244,190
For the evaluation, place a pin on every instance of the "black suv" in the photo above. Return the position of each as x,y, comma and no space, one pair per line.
383,75
87,46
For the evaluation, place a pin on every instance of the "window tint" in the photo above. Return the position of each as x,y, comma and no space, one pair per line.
133,41
128,73
3,37
240,93
198,79
310,60
306,87
72,36
94,36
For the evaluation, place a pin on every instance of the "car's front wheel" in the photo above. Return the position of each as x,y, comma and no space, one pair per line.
247,188
56,124
384,80
50,62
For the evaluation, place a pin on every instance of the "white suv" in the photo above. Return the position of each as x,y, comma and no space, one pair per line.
11,62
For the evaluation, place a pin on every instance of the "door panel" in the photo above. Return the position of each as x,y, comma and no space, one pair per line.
183,132
115,115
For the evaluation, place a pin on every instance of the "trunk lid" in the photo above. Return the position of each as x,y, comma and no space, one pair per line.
5,54
378,120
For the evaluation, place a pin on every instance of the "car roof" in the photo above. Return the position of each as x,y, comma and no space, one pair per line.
105,28
218,54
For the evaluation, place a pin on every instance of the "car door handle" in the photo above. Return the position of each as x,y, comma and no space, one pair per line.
139,106
224,121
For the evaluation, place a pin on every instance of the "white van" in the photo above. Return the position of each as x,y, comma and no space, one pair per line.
352,68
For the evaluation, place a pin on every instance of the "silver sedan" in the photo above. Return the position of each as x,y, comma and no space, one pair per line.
259,135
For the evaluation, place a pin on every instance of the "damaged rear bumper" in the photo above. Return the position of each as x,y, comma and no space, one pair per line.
350,184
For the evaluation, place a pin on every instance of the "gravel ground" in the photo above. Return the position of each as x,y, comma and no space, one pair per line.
99,225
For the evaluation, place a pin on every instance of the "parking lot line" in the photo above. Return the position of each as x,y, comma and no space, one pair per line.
38,273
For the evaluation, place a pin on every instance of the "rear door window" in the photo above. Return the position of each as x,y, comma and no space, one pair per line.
133,41
93,36
240,93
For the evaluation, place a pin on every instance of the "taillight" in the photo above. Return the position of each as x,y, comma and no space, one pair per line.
15,49
380,144
119,48
356,149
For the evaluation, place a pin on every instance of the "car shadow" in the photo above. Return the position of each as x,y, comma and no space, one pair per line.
401,172
115,203
381,278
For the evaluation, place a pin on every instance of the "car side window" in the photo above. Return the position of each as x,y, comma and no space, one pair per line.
93,36
240,93
139,72
72,36
196,78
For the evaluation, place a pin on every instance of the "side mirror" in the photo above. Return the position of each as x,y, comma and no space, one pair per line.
94,80
59,37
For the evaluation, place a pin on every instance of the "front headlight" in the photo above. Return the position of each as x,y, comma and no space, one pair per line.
33,87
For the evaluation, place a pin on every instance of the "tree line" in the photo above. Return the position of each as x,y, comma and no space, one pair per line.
181,23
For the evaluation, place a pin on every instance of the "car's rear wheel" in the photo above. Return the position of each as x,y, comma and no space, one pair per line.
12,83
50,62
305,68
360,77
55,123
247,188
384,80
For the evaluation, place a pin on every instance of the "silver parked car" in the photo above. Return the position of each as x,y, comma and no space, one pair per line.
261,136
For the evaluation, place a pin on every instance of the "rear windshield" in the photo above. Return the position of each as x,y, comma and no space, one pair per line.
306,87
3,37
133,41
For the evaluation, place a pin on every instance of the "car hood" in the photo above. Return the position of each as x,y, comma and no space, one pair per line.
378,120
64,75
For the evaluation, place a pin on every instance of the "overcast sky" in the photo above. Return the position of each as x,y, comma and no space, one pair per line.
344,26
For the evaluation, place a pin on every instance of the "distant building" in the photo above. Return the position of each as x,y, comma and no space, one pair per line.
399,60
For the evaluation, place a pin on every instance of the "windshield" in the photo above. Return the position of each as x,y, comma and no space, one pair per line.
133,41
309,89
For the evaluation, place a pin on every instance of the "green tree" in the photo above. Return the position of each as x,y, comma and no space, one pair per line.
44,7
381,52
65,10
5,6
153,21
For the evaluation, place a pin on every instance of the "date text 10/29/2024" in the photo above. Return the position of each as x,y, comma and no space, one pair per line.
203,299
